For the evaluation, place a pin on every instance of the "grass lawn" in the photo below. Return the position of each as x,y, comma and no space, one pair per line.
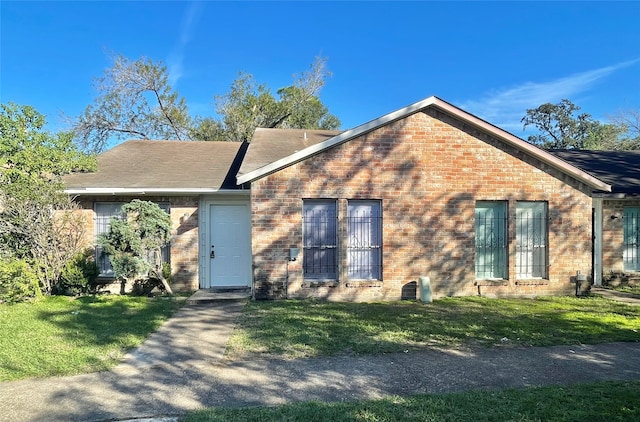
63,336
295,329
626,289
608,401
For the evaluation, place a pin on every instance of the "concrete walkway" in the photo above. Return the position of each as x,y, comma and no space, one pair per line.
181,367
628,298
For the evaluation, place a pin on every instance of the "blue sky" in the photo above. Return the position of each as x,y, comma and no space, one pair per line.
493,59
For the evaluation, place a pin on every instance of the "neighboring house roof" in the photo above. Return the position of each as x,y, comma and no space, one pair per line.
620,169
161,167
287,156
269,145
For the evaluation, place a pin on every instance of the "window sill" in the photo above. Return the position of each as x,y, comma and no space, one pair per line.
491,283
320,283
533,282
364,283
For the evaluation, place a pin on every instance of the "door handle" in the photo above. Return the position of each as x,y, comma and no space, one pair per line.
213,253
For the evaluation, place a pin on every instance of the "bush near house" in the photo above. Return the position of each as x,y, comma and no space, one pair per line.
134,244
18,282
78,275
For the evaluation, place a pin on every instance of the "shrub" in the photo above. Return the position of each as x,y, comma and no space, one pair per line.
78,276
166,272
18,281
134,243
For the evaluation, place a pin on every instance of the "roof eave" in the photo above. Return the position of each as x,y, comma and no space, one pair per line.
414,108
147,191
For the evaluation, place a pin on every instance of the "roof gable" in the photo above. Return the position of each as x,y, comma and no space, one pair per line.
143,166
250,175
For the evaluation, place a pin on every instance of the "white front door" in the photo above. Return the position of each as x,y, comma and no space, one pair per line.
229,246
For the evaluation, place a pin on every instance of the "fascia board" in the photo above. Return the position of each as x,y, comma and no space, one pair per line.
145,191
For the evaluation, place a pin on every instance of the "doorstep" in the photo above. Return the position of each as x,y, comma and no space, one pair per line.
219,295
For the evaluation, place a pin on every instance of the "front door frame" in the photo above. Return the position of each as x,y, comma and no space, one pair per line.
240,198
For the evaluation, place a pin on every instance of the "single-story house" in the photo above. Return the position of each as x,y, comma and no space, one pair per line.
427,190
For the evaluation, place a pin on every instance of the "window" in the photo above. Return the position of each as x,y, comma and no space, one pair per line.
631,233
491,240
104,212
364,245
531,240
320,239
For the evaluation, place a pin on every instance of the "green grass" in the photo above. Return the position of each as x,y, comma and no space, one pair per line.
63,336
606,401
626,289
295,329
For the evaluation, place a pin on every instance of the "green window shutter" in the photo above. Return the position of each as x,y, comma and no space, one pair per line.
491,240
631,254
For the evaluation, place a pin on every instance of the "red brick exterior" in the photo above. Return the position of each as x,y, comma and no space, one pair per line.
428,170
613,235
184,235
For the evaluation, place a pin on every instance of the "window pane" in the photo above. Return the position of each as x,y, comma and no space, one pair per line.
631,255
364,231
531,239
491,239
104,213
319,232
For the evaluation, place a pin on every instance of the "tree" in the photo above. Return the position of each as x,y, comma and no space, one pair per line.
629,120
134,243
37,222
561,127
249,105
134,100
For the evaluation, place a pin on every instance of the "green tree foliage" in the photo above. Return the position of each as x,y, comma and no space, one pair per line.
37,223
249,105
561,126
134,242
135,100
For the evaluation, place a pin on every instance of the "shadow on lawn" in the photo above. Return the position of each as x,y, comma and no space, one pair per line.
303,329
103,320
175,386
174,389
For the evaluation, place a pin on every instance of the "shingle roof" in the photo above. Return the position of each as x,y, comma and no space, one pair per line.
162,166
269,145
620,169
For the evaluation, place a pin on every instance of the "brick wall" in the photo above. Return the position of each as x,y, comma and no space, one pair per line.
428,170
613,234
184,235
